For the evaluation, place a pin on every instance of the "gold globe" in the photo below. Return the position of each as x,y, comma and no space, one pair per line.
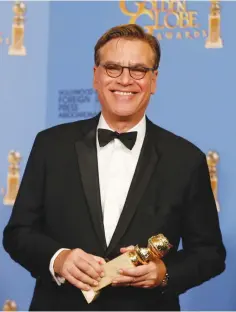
19,8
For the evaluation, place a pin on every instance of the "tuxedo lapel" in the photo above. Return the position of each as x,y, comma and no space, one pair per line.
145,167
88,165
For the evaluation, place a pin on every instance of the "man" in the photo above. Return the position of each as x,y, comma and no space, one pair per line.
92,189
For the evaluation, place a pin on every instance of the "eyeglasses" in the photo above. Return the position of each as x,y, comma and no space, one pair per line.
136,72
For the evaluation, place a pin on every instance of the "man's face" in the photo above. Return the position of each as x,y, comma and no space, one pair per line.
125,96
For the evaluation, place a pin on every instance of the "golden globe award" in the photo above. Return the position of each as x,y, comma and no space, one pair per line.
212,160
9,305
17,43
157,247
13,178
214,39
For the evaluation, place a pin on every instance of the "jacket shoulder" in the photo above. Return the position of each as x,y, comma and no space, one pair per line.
64,132
176,147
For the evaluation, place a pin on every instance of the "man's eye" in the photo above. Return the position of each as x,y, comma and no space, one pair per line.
112,67
139,69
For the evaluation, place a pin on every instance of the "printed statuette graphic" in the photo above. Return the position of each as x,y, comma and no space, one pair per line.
9,305
13,178
214,37
18,30
212,160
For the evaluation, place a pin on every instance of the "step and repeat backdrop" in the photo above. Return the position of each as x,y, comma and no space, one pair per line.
46,72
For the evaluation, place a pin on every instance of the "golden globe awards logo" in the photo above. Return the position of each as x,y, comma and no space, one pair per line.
16,44
171,19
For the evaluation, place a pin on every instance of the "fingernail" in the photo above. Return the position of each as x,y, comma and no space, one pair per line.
120,271
88,287
98,279
102,274
114,282
95,283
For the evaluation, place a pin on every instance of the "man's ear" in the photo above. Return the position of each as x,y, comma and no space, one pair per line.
94,77
154,82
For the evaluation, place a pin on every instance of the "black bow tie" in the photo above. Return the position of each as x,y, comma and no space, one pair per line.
127,138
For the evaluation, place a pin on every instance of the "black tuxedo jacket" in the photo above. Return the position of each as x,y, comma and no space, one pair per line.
58,206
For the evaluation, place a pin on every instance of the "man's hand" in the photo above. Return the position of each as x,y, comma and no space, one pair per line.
145,276
79,268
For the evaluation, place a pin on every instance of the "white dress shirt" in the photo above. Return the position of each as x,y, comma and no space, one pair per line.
116,167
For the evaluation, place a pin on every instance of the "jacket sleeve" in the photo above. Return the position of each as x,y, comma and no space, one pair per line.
24,238
203,254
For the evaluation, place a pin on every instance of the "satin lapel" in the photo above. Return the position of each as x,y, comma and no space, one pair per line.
87,159
145,167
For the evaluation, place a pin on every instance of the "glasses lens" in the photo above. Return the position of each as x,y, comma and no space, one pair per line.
113,70
137,73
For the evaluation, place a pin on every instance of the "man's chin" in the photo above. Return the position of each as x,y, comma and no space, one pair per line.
124,114
123,111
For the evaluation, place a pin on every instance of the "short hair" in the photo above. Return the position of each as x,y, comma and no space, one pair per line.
129,32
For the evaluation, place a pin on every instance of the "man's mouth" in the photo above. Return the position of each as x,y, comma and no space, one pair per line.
123,92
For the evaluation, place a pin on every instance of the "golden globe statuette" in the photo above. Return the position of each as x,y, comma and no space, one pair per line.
9,305
212,160
13,178
157,247
214,39
17,43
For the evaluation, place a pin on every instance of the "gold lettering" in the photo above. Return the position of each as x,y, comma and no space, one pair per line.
187,19
166,21
179,35
169,35
159,36
157,15
183,20
170,5
193,18
134,15
188,35
150,29
164,5
176,5
181,6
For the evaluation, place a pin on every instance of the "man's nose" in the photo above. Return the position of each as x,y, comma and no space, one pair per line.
125,77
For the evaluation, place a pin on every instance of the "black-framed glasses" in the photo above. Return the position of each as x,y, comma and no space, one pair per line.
136,72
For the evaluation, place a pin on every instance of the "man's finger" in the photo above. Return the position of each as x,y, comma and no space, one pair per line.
137,271
77,283
99,259
90,259
123,280
143,284
125,249
131,279
86,268
82,277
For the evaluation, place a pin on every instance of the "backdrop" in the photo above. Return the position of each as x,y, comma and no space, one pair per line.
52,84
